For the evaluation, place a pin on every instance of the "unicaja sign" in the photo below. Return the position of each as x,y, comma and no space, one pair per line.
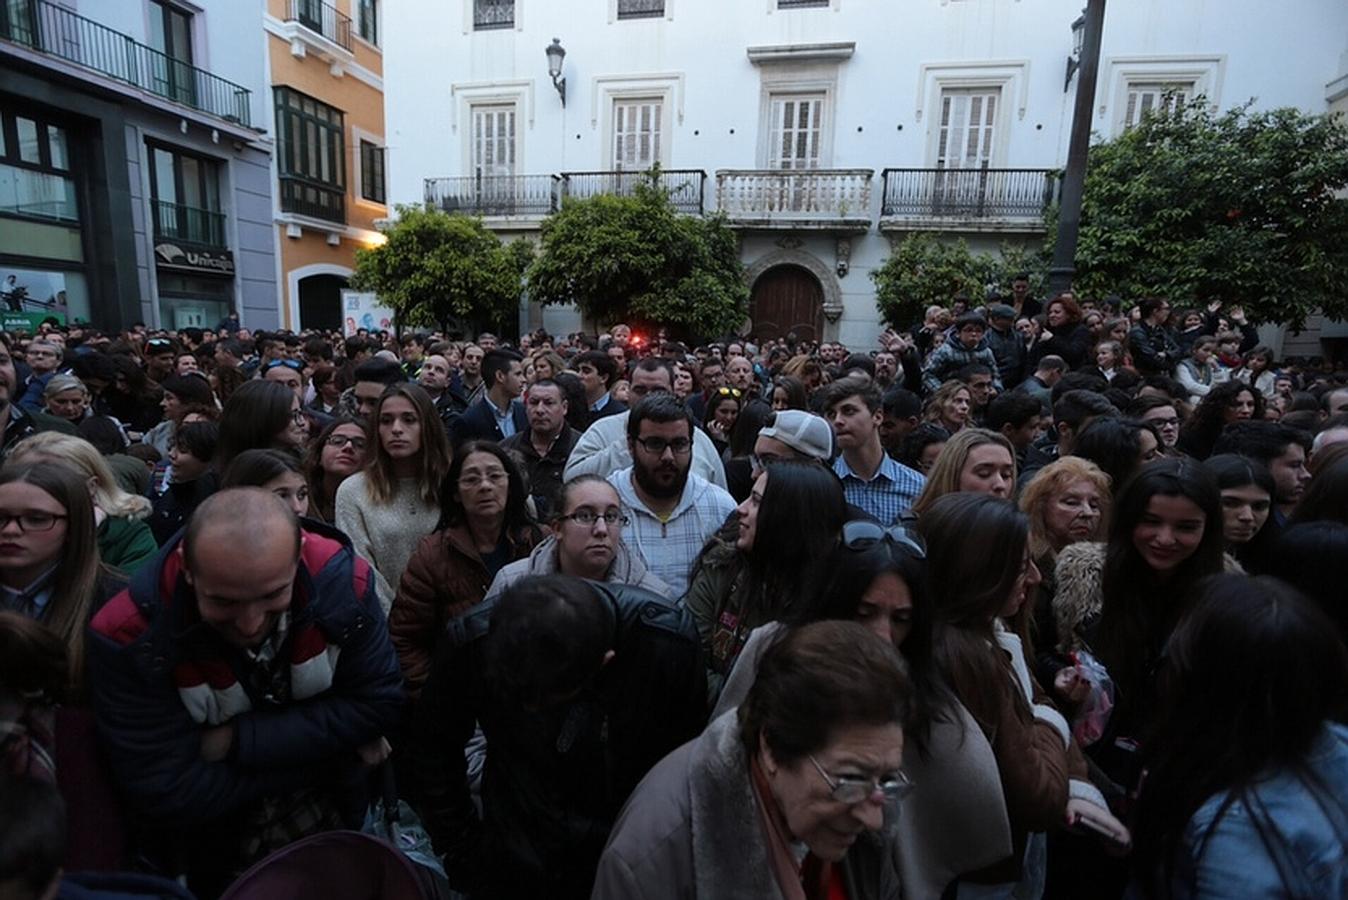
171,256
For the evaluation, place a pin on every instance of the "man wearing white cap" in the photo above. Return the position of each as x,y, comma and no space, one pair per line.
787,434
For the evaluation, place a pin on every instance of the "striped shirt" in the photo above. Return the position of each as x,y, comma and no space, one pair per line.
888,494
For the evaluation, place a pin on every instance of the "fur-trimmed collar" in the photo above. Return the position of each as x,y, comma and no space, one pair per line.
1080,589
730,857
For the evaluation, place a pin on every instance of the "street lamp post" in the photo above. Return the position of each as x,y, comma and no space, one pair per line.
1074,179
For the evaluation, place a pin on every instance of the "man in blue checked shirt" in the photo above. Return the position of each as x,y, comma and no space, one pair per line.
878,484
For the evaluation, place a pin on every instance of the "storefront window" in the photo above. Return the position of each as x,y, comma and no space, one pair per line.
39,293
187,301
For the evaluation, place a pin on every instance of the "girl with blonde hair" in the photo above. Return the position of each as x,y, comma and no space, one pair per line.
976,461
124,537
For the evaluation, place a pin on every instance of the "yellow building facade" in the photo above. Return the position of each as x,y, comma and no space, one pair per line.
326,75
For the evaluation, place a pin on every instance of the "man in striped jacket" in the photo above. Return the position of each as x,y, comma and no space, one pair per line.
242,683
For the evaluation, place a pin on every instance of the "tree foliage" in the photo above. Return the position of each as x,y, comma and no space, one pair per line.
634,258
437,267
924,271
1237,206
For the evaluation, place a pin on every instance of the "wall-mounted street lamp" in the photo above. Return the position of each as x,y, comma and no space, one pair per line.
556,53
1074,61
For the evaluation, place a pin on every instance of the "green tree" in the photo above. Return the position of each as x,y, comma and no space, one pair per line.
1238,206
923,271
634,258
436,268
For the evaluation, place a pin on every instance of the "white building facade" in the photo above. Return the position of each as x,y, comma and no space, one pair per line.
823,129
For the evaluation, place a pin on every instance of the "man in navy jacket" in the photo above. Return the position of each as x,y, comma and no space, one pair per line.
242,684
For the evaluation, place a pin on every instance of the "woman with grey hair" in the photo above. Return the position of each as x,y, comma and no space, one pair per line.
66,397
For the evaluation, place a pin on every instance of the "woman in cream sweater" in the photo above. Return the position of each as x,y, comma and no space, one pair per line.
389,506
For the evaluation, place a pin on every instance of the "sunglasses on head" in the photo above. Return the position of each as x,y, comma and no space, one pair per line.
729,392
861,534
288,363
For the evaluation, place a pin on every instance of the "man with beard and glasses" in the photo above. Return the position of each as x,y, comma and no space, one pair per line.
672,510
603,448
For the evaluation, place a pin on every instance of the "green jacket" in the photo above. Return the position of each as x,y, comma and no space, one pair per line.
125,543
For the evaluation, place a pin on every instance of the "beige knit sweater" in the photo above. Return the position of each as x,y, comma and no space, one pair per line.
386,534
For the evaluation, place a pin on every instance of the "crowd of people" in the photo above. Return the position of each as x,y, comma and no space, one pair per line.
1027,600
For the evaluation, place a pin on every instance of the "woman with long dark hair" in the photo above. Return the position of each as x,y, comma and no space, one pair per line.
1299,558
337,453
1231,401
774,566
1120,600
1119,447
1247,778
788,392
723,408
1247,499
484,525
390,505
738,457
1042,772
260,415
50,569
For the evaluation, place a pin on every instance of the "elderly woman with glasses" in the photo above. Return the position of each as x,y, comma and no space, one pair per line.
586,541
809,763
954,822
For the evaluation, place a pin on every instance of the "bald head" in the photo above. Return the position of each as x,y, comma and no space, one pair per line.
242,523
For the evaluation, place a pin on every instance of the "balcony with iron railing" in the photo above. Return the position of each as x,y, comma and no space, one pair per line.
45,28
967,199
188,224
836,200
684,186
641,9
314,199
496,196
492,14
322,20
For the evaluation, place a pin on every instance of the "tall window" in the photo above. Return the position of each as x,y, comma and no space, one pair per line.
493,14
797,131
369,20
171,34
636,134
185,197
35,173
310,155
372,172
968,128
1149,96
493,141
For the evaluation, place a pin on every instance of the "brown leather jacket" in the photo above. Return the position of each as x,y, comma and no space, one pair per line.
444,579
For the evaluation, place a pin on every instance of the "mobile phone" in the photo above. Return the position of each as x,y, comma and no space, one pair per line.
1083,825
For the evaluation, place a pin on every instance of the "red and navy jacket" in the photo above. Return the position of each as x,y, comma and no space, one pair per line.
160,677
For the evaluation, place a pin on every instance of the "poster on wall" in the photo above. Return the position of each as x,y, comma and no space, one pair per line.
362,310
38,294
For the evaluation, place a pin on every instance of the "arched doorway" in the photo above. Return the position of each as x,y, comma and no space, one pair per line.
321,302
784,299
